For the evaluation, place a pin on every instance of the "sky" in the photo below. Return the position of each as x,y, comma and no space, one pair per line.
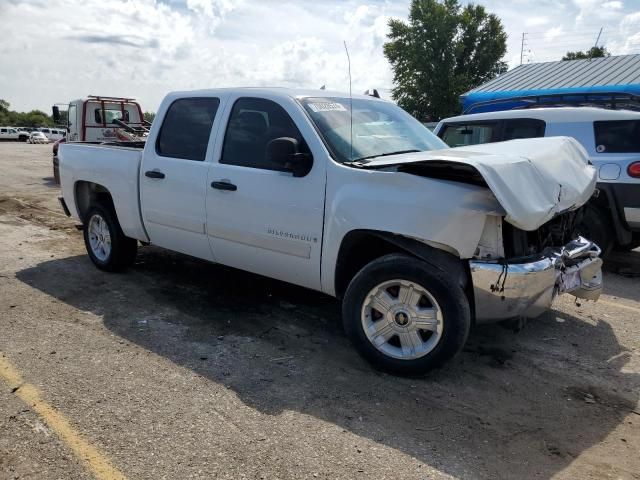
54,51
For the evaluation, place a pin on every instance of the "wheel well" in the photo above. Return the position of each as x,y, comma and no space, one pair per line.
361,247
606,204
88,193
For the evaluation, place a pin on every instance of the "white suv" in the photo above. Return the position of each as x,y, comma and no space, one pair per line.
11,133
612,140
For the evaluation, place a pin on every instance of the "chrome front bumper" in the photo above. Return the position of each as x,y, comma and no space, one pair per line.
504,290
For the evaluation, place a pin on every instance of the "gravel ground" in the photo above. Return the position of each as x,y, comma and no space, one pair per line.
183,369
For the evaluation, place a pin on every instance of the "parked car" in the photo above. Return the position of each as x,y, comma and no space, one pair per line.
15,134
419,241
612,140
37,137
53,134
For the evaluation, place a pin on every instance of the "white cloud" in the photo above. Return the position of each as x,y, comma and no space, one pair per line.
614,5
552,33
536,21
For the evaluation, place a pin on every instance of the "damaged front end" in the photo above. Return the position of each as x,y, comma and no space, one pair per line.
534,270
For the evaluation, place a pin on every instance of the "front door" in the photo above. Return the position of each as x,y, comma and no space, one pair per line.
173,177
259,217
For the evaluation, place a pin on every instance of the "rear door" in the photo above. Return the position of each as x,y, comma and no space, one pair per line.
259,218
173,176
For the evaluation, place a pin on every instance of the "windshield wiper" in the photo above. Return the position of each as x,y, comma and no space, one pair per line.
399,152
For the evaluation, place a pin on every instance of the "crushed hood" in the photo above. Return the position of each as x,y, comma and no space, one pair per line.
533,179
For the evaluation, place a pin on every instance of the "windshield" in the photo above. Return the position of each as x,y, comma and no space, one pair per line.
379,128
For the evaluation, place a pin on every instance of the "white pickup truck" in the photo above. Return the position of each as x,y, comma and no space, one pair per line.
420,241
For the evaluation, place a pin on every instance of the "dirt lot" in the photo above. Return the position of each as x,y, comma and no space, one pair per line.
183,369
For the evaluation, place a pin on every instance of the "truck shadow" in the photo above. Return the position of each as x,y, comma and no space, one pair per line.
510,406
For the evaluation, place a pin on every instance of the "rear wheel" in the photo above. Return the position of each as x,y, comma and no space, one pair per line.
107,246
405,316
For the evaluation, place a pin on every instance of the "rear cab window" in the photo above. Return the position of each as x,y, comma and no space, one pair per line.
617,136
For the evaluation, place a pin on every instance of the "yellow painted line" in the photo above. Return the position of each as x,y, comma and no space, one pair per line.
619,305
95,461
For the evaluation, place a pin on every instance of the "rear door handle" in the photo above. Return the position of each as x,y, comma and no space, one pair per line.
153,174
224,186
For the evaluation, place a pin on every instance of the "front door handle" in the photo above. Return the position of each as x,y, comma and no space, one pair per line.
224,186
153,174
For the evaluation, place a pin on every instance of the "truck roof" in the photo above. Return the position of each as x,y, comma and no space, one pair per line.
281,92
552,115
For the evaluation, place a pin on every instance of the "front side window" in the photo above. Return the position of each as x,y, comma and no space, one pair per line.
186,128
253,123
459,135
617,136
377,128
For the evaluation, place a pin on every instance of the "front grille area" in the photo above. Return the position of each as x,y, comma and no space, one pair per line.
555,233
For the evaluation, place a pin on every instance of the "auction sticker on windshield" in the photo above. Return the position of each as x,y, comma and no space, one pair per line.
327,107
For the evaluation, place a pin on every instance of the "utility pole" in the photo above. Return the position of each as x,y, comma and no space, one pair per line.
522,47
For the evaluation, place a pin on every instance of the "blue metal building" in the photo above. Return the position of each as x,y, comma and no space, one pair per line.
614,78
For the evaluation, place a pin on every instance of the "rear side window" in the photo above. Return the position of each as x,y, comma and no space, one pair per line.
253,123
458,135
186,128
617,136
522,128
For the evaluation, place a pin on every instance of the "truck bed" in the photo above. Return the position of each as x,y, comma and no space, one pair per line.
114,167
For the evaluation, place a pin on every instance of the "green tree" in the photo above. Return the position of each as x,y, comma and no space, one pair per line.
34,118
149,116
593,52
440,53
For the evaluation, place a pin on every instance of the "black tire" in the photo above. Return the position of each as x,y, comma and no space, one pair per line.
597,227
635,243
123,249
449,296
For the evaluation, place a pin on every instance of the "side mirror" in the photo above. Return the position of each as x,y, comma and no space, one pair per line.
56,114
284,151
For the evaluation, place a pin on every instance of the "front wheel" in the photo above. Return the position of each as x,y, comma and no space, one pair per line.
107,246
405,316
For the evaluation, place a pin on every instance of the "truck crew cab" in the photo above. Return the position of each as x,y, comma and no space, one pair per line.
352,197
